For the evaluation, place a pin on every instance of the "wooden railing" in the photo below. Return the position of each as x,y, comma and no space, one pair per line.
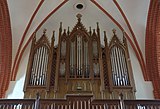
78,102
17,104
141,104
106,104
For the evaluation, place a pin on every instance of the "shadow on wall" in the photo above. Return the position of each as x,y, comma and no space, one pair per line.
15,89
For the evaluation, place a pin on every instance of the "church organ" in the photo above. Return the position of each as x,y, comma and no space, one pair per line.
79,65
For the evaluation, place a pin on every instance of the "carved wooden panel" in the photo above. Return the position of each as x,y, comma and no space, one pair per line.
79,64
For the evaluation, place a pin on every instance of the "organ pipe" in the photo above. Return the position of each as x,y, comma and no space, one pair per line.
39,68
119,67
79,57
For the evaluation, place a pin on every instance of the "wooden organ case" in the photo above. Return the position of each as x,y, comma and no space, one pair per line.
79,65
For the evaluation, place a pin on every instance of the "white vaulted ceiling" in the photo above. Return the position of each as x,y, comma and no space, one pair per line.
28,16
64,11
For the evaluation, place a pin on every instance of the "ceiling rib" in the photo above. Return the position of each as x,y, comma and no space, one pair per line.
134,38
20,54
13,73
127,36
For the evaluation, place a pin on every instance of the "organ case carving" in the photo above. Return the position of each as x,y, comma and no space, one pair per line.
79,64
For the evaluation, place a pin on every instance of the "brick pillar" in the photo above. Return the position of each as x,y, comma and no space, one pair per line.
152,46
158,47
5,48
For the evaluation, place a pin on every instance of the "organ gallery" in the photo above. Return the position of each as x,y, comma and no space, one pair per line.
79,65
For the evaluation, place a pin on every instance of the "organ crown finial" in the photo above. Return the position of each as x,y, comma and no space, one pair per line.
114,31
44,31
79,17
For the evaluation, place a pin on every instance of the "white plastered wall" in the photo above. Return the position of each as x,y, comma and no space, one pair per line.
15,90
144,89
